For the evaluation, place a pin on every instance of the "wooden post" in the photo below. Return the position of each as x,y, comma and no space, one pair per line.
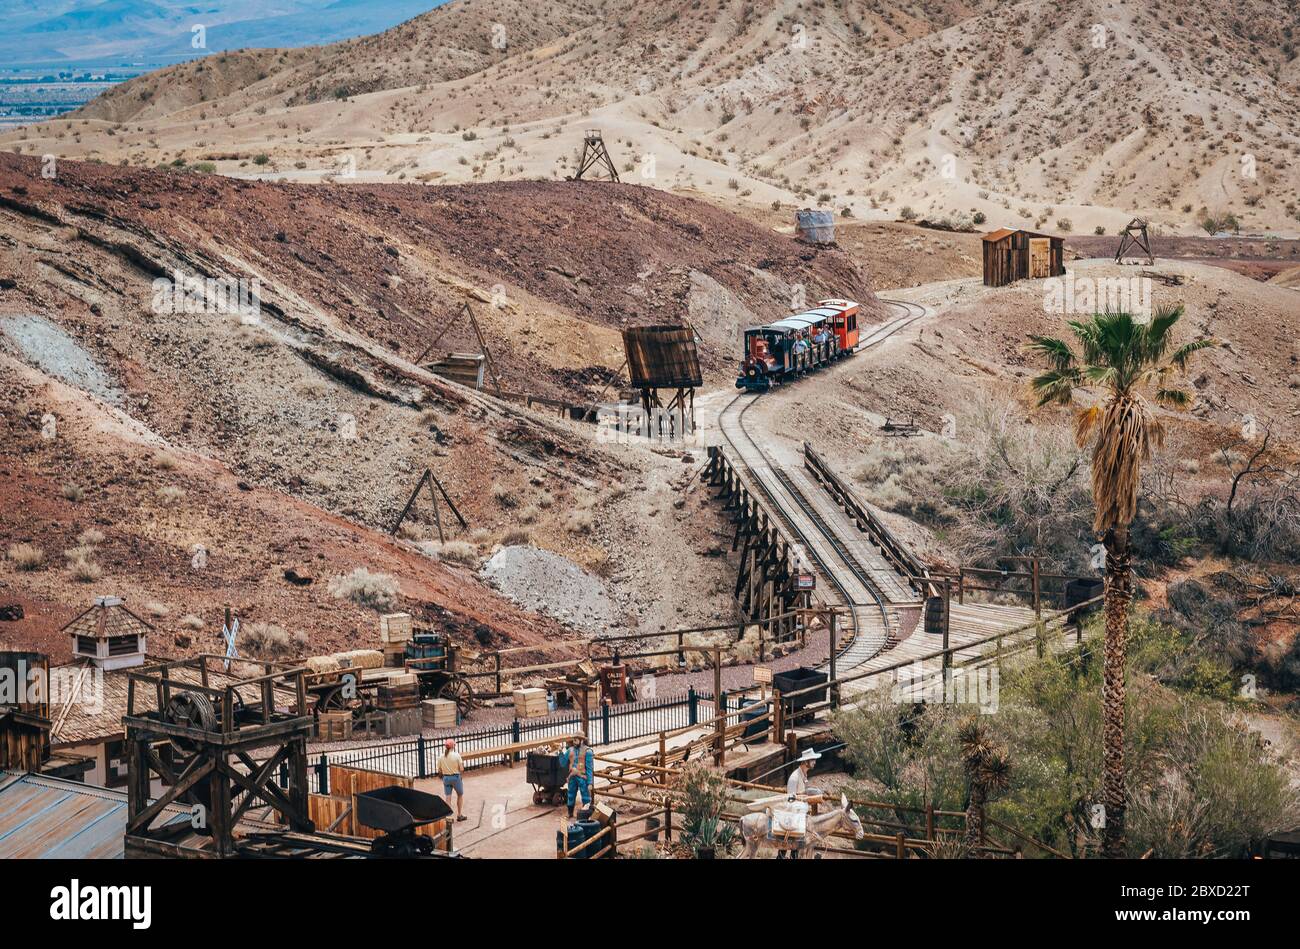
900,846
776,716
947,623
663,759
1038,598
835,687
719,709
929,821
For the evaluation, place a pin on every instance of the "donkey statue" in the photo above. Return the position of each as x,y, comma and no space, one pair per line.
754,829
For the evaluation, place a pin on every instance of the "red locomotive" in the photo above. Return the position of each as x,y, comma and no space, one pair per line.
788,348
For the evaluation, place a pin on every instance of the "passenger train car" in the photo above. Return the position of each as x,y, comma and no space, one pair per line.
788,348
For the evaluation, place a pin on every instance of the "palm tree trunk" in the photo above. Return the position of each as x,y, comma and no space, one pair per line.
1119,594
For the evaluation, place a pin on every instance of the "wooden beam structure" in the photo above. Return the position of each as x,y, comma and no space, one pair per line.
595,156
766,582
1135,235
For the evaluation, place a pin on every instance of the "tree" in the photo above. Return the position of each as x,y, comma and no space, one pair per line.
1123,359
988,772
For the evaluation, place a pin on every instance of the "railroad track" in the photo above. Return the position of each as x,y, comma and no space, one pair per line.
798,503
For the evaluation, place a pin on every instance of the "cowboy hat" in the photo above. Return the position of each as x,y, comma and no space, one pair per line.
808,755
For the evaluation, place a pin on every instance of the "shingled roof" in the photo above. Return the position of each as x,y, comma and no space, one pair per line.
108,617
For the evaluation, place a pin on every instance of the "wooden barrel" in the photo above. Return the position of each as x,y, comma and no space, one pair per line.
936,615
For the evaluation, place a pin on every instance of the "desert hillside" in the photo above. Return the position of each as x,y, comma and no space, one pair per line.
1061,116
285,441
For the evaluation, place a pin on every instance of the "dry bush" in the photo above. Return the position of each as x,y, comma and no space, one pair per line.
516,537
73,492
268,641
190,621
90,537
458,551
27,557
529,515
157,610
378,591
505,496
998,488
579,522
170,494
82,567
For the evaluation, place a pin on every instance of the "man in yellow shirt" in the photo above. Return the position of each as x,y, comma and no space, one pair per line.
450,767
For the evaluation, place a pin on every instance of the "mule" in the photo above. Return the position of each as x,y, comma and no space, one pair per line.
754,829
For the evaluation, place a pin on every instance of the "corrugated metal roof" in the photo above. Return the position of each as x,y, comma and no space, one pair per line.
43,817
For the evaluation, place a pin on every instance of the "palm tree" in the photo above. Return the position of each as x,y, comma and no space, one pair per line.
988,772
1124,359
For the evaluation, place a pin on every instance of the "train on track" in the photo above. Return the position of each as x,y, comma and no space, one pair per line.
798,344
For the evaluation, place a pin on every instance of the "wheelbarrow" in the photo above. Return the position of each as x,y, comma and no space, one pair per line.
400,812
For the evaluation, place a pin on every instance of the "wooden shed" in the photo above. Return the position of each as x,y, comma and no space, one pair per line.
1011,254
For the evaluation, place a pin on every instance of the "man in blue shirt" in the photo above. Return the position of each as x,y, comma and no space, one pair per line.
580,760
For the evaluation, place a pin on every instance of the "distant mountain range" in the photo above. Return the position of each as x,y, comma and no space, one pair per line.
159,32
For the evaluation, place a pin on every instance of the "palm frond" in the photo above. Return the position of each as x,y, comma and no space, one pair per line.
1183,353
1058,352
1055,385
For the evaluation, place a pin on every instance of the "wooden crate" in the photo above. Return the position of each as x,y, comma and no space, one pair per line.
394,657
334,726
439,713
395,628
398,723
391,698
530,703
346,782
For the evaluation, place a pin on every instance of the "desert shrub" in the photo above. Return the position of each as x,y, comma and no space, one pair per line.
378,591
82,567
516,537
458,551
701,796
505,496
269,641
157,610
190,621
73,492
170,494
579,522
27,557
90,537
998,488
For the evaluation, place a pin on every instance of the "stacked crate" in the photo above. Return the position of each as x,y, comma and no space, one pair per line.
530,703
334,726
395,632
399,693
439,713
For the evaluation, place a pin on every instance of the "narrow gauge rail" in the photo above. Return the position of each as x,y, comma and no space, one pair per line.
853,579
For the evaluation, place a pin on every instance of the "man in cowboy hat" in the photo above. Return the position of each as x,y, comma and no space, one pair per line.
581,763
797,786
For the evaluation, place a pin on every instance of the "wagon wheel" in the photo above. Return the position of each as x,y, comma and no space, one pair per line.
331,699
457,689
191,710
